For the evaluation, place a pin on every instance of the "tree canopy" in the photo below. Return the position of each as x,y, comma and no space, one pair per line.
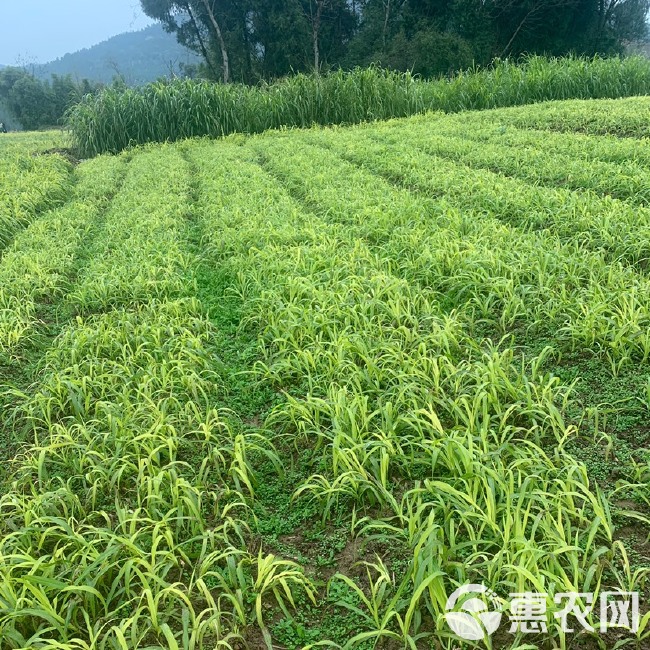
35,103
252,40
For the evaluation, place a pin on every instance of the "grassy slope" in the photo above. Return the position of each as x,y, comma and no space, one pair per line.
336,272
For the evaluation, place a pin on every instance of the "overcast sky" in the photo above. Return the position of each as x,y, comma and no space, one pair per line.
38,31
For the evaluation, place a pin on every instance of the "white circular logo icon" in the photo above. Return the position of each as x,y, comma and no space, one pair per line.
473,620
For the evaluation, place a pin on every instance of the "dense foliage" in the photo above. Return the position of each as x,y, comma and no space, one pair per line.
36,103
249,40
297,388
117,118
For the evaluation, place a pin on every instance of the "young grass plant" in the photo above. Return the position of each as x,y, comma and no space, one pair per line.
396,394
36,265
140,248
409,313
29,184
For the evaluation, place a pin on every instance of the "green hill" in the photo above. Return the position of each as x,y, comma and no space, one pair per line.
139,57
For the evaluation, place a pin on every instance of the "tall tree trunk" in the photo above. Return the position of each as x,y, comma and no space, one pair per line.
390,7
249,56
222,43
204,50
605,10
516,32
384,31
316,52
315,30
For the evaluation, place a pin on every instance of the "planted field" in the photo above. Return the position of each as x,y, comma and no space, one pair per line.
296,389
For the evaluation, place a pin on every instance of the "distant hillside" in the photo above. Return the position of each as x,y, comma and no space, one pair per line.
139,57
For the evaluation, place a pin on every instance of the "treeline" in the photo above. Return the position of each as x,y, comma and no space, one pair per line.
35,103
253,40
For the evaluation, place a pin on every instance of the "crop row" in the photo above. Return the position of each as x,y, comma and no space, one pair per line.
30,143
406,409
492,127
126,521
616,227
618,117
117,515
35,267
141,247
515,280
539,164
29,184
399,301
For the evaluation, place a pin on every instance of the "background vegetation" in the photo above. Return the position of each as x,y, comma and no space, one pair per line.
36,96
35,103
118,118
250,40
296,388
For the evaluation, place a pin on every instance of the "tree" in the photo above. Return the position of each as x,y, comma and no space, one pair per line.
209,8
279,38
36,104
530,25
197,24
620,22
315,16
331,22
250,40
389,8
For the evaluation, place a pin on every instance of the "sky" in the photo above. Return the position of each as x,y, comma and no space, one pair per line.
38,31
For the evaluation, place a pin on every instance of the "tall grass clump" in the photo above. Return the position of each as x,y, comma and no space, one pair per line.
169,111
